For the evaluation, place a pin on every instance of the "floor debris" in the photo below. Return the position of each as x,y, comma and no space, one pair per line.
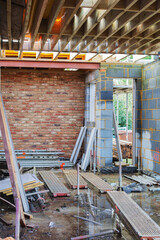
146,180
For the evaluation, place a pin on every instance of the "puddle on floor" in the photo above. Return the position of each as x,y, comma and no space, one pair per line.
60,212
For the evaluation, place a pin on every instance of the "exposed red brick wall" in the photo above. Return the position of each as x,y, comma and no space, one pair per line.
45,108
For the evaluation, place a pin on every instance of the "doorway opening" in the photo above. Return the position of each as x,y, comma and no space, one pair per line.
124,106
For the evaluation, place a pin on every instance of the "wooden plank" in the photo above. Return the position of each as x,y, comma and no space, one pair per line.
133,217
56,187
7,142
97,182
71,176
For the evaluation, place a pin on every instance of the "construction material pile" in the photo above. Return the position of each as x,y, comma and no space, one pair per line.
126,148
38,158
29,181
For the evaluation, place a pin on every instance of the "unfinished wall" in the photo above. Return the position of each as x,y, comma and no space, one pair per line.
45,108
104,106
150,117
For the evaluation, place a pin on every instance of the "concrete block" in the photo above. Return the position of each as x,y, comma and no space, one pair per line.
109,123
100,105
152,166
152,83
109,105
106,114
145,104
100,123
139,84
98,114
145,163
145,143
135,73
106,152
158,103
109,85
106,95
155,145
145,84
148,154
156,114
148,94
156,93
138,95
138,123
152,103
158,81
100,85
148,74
145,124
152,124
143,114
158,168
148,114
106,133
97,96
115,72
158,124
108,161
156,135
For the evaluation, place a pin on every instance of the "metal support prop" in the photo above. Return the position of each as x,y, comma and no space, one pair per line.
11,159
118,150
17,228
126,116
117,109
134,162
77,179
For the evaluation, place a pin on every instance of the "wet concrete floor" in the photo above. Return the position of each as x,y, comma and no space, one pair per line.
57,221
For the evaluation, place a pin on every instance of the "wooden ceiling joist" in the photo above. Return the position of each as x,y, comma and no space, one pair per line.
37,20
9,23
25,24
86,26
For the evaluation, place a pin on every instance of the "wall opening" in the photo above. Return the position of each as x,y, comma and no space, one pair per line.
123,102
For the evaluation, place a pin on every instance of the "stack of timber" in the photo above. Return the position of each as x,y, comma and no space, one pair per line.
126,149
29,182
71,176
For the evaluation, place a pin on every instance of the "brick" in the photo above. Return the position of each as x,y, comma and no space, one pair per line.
45,109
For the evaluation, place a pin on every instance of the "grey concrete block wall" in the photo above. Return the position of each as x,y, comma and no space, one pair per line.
151,117
104,106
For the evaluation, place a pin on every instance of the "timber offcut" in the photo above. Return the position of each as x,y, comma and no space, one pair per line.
56,187
71,176
97,182
133,216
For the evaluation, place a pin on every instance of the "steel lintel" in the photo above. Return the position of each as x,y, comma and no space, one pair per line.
47,64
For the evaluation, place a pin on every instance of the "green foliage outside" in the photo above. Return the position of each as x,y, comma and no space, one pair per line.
122,104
